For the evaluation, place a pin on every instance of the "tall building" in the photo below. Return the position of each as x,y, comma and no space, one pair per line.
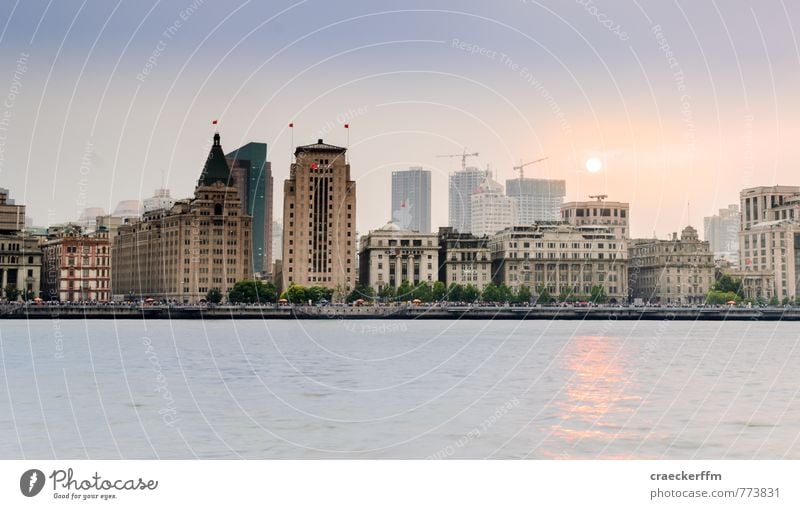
674,271
390,255
319,220
613,214
252,176
461,186
464,259
127,208
88,217
20,255
277,240
722,232
566,260
411,199
537,199
492,210
769,241
181,253
76,264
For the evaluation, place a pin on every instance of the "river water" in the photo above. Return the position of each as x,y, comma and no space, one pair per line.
399,389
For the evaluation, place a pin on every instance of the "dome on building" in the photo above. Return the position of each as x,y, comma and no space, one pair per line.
390,227
689,233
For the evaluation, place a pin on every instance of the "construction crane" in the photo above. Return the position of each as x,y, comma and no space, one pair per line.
463,157
521,167
598,197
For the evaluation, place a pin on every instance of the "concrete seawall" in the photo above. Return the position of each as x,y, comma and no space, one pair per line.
393,313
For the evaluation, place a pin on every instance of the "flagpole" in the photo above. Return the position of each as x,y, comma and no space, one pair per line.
291,140
347,146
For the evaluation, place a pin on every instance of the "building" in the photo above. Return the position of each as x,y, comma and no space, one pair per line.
181,253
252,176
461,186
492,210
613,214
391,255
567,260
319,220
674,271
722,232
20,256
464,259
769,238
76,264
537,199
277,240
128,208
88,217
161,199
411,199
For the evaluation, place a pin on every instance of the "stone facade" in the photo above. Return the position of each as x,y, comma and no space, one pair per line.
614,214
319,220
77,265
20,255
464,259
181,253
563,258
390,255
674,271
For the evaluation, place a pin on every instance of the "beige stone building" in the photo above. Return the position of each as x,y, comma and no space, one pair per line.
20,255
76,265
319,219
390,255
198,244
565,259
769,239
614,214
674,271
464,259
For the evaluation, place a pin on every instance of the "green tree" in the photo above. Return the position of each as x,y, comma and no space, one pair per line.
295,294
543,295
214,296
439,291
726,283
773,301
422,291
387,293
470,293
523,295
12,293
361,291
455,292
404,291
719,297
250,292
491,293
598,295
318,293
505,293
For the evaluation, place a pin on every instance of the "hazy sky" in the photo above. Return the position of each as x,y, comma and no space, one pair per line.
687,102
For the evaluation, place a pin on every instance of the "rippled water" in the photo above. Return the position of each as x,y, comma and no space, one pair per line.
399,389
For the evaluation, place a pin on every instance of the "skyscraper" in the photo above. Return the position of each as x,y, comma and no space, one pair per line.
251,174
492,210
537,199
319,220
411,199
722,232
462,184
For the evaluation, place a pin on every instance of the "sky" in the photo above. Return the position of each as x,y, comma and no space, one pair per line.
684,102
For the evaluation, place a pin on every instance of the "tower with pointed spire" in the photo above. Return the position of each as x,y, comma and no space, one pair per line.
182,252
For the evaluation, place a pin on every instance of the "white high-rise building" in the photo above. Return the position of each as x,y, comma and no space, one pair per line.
160,200
537,199
492,210
461,187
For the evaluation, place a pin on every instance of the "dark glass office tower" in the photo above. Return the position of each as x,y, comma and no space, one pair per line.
411,199
252,175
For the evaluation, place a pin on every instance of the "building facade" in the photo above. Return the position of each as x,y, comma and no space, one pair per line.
537,200
674,271
769,240
492,210
319,219
411,199
567,260
390,255
614,214
252,176
161,199
722,232
464,259
462,184
182,253
76,265
20,255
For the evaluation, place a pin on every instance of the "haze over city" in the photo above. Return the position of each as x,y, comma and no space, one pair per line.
683,104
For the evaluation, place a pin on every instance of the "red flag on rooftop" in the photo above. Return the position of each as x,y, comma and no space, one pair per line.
214,122
291,124
347,126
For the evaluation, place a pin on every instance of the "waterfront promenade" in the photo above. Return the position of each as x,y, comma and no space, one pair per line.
394,312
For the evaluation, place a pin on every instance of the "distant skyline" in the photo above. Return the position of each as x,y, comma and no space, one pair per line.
684,104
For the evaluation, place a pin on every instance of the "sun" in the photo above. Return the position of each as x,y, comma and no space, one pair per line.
594,164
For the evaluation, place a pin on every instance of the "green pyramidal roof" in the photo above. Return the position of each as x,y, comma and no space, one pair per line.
216,168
